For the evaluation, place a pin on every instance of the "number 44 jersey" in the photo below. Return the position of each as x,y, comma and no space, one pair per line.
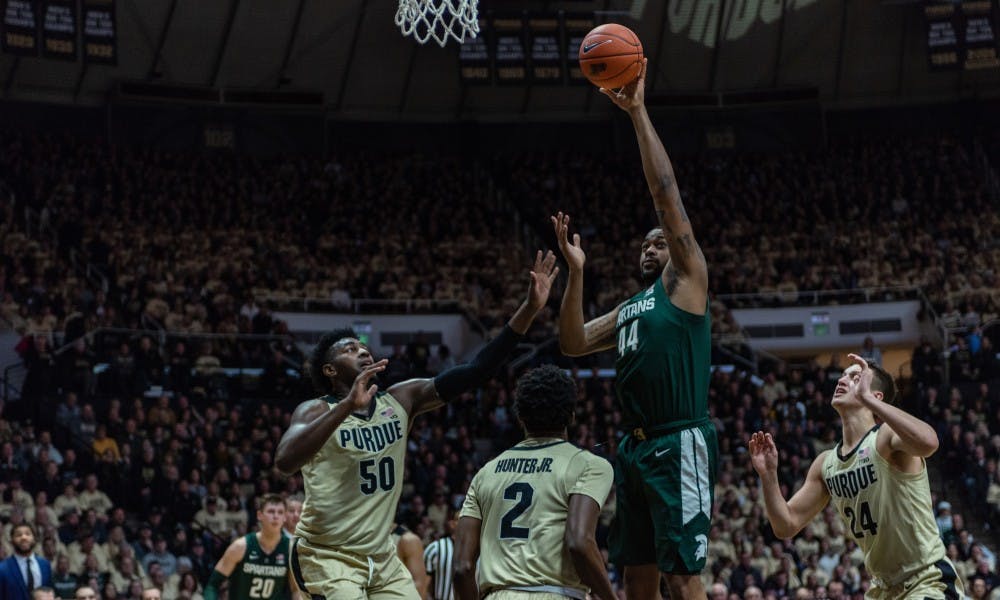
522,499
354,482
888,512
664,361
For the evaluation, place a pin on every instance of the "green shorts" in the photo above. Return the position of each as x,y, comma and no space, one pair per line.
664,490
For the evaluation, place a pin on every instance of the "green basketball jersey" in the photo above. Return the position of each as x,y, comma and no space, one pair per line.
664,360
886,511
261,575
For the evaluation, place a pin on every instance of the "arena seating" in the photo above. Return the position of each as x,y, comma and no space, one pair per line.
135,488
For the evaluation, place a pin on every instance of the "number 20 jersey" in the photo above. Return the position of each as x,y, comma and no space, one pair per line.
522,499
886,511
353,484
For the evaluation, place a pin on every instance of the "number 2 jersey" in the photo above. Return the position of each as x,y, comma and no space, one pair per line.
353,484
886,511
522,499
664,361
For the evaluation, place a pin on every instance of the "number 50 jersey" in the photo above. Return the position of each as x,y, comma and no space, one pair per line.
886,511
354,482
522,499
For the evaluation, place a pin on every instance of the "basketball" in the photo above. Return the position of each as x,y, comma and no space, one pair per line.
611,56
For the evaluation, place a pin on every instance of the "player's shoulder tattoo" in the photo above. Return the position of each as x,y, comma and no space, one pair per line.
672,280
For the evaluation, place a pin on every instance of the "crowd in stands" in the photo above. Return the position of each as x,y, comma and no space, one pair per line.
127,490
211,243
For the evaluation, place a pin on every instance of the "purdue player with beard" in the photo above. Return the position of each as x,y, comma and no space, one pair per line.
350,444
666,463
530,514
876,478
256,564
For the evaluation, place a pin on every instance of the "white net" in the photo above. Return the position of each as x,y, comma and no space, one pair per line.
439,20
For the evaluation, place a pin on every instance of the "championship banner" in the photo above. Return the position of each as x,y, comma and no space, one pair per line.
20,27
961,35
544,41
100,32
577,26
980,34
59,29
509,53
474,57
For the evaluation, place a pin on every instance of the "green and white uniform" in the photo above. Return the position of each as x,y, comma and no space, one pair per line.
666,465
260,575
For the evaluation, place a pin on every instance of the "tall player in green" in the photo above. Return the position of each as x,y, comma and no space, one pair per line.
666,464
257,563
876,478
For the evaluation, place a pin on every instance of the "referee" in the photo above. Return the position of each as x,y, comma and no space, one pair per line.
437,560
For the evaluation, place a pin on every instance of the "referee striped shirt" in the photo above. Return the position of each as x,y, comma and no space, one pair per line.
437,562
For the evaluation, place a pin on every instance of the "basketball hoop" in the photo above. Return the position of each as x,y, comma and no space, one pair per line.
438,20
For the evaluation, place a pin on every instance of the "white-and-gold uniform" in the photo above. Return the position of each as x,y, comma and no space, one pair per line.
352,487
522,499
889,514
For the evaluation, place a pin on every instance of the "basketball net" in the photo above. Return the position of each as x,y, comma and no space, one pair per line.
439,20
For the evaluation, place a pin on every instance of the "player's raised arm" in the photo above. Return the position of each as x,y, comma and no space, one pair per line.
313,422
421,395
577,338
685,254
787,518
903,432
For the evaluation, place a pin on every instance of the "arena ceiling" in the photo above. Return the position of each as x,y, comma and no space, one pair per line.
854,52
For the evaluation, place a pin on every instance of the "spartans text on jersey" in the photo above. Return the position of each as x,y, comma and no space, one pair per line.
631,310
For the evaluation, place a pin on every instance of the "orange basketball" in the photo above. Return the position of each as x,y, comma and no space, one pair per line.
611,56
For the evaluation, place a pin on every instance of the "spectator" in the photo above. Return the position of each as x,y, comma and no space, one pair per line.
870,352
24,570
161,557
93,498
85,593
63,581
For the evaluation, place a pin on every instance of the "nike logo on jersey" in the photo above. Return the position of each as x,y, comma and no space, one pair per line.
588,47
660,453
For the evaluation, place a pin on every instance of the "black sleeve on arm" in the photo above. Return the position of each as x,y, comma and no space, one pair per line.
461,378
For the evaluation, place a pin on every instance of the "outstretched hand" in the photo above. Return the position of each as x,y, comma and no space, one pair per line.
763,453
861,386
543,275
573,253
363,390
633,95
